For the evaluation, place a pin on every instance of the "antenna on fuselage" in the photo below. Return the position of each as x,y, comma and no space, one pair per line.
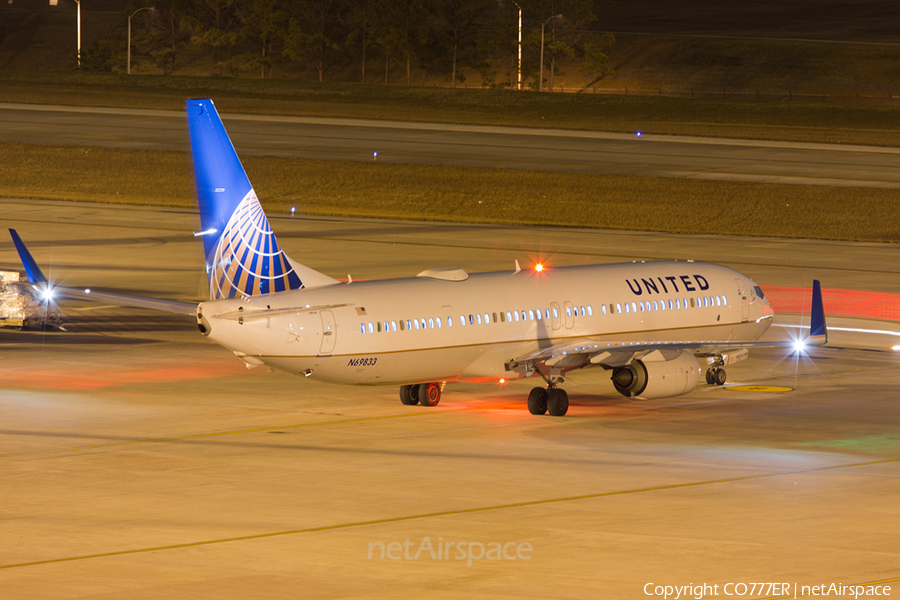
518,268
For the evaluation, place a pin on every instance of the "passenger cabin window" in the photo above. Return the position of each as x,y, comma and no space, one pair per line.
516,316
362,327
430,323
495,317
487,319
449,321
603,308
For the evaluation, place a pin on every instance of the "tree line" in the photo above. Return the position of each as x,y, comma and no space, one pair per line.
374,41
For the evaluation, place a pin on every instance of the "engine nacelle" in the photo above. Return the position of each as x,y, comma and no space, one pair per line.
660,374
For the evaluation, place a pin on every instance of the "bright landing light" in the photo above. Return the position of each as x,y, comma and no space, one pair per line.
539,267
799,345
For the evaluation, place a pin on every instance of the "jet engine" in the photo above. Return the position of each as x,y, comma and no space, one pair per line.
660,374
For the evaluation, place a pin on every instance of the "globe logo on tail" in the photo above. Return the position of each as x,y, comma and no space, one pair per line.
247,260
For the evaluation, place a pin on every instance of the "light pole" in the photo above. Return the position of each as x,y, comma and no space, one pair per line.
128,69
78,2
519,68
541,80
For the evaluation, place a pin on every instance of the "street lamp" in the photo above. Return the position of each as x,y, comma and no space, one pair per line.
128,69
541,80
519,69
78,2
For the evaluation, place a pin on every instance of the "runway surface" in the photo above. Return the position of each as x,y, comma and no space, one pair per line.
139,460
516,148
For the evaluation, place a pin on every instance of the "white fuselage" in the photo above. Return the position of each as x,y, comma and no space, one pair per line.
419,329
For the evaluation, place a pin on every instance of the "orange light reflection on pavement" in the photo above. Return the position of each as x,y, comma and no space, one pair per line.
846,303
79,378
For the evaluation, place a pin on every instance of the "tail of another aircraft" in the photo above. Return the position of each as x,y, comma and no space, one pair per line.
243,257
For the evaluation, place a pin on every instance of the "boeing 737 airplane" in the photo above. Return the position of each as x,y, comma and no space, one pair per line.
649,324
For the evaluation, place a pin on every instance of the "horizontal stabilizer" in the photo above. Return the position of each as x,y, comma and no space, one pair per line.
50,291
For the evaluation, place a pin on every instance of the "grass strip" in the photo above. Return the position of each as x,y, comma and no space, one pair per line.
786,121
464,194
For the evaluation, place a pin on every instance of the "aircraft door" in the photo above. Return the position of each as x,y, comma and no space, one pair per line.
554,315
329,334
570,314
745,304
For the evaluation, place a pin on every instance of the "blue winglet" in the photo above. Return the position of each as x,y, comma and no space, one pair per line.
818,333
32,270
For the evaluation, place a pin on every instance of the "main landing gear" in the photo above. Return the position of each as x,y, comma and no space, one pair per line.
553,399
715,376
426,394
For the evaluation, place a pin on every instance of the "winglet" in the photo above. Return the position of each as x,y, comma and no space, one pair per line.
818,334
32,270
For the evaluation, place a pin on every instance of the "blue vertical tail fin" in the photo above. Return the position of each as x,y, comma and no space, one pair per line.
243,257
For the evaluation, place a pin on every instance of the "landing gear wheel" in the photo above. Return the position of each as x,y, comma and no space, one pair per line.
429,394
537,401
557,402
710,377
409,394
720,376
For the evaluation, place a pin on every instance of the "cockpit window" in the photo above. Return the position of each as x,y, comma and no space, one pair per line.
759,292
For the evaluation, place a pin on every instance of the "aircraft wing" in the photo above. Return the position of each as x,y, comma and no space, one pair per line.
617,354
586,352
47,290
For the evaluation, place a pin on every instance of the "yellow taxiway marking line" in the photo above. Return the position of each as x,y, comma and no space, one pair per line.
461,511
196,436
758,388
